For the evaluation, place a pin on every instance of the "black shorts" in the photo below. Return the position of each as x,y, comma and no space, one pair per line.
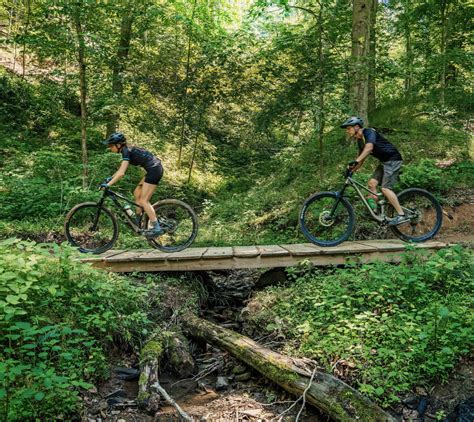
154,174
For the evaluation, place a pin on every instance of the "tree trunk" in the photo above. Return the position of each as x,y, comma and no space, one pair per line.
118,67
327,393
372,57
321,113
83,93
28,13
443,7
360,57
185,93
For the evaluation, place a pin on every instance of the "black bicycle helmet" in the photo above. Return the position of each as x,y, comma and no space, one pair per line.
352,121
115,138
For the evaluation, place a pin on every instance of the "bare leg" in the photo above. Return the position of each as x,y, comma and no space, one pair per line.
373,183
390,195
137,194
147,192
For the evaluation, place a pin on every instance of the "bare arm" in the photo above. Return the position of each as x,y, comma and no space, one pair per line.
368,148
119,173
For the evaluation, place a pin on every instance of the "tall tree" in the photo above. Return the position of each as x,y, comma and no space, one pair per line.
119,63
78,25
359,90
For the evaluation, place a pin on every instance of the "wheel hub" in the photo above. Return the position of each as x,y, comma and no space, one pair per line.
325,219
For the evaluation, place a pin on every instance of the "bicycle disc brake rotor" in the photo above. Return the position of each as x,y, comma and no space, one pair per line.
325,219
416,216
169,225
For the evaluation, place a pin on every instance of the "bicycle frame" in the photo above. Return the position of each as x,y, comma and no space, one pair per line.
381,218
114,197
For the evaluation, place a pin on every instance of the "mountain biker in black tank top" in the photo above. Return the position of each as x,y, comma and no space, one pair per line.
137,156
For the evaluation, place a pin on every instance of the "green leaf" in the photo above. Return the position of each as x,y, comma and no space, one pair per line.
39,396
13,299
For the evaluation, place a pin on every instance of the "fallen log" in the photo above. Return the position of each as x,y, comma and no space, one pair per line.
150,356
327,393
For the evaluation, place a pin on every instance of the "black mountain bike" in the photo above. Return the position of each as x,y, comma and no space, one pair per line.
328,218
92,227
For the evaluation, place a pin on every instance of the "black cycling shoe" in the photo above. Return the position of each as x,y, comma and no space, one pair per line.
154,231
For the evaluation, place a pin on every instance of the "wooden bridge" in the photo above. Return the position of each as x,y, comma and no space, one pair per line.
268,256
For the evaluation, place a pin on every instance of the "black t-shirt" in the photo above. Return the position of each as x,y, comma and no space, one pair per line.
139,157
383,149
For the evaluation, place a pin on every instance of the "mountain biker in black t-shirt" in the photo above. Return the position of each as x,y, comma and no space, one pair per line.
386,174
137,156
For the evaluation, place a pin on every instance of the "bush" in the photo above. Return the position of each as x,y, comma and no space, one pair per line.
58,317
425,175
384,330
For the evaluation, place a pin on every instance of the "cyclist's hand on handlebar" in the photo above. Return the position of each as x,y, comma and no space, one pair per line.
107,179
352,164
103,186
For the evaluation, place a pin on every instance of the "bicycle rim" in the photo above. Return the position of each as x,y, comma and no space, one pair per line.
426,216
324,225
91,228
179,222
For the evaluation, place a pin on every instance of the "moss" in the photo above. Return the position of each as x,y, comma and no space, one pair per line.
153,349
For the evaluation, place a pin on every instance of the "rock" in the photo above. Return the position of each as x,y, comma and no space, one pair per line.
422,404
243,377
410,415
117,393
251,412
221,383
127,374
464,411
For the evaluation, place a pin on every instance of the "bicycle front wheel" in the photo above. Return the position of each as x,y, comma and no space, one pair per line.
426,216
326,219
179,222
91,228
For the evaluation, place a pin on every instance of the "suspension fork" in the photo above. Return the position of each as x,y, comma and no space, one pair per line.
339,195
97,215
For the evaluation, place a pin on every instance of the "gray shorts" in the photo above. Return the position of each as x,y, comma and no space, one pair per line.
387,173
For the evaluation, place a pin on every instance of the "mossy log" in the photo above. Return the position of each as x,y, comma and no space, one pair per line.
327,393
179,355
150,357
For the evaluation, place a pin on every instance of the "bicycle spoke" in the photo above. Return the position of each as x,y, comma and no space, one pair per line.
326,220
95,237
425,216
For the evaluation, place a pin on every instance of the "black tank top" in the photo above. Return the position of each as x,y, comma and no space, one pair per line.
139,157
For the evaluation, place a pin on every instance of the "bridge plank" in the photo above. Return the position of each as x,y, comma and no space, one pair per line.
303,249
216,253
100,257
191,253
246,251
348,248
153,255
272,250
125,256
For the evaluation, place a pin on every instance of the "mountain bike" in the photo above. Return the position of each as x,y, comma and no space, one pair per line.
93,228
328,218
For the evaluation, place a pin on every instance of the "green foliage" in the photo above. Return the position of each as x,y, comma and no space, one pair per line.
384,330
426,175
58,317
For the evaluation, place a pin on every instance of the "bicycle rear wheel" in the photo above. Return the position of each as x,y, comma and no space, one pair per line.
179,222
426,216
91,228
326,219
